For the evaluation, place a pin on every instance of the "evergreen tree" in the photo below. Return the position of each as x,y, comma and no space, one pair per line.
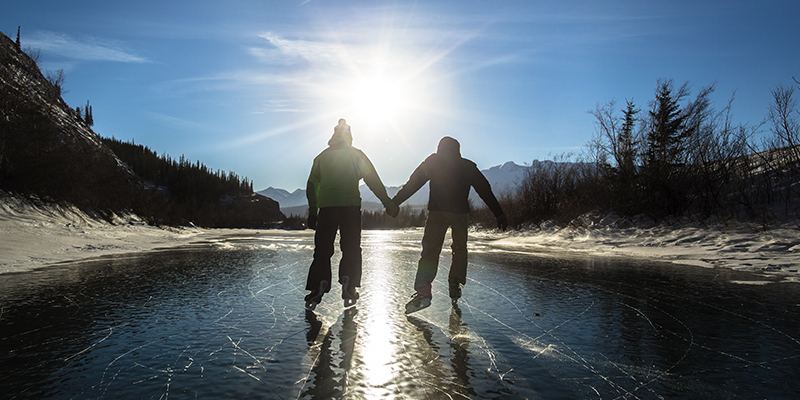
626,159
666,121
626,174
666,139
19,45
87,111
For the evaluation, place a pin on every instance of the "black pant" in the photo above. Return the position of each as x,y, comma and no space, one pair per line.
347,221
432,242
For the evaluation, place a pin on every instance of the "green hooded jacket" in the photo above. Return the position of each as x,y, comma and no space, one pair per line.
336,173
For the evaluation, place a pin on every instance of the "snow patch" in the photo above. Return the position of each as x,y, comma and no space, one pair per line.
696,263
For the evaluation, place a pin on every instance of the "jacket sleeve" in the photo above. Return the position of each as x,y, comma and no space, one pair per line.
370,175
418,179
484,190
312,189
375,184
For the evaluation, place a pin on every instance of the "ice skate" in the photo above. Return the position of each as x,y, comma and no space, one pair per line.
417,303
349,293
315,297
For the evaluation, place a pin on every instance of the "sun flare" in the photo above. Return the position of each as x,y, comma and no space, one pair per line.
378,100
387,99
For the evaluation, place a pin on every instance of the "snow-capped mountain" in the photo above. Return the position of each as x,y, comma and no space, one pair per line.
503,178
284,198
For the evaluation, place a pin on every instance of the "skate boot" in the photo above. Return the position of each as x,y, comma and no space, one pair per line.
315,297
418,302
455,292
349,293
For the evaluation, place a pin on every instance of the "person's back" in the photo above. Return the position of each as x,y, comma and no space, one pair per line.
337,173
451,178
334,205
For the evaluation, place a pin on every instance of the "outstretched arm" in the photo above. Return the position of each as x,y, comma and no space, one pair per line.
418,178
374,184
484,190
312,189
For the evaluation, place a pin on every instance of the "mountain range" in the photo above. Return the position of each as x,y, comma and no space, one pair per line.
505,179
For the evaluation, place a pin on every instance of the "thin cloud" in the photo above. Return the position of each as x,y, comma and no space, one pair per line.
281,106
287,50
281,130
230,81
349,50
176,122
89,49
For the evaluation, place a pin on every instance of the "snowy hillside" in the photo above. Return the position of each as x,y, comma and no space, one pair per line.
503,178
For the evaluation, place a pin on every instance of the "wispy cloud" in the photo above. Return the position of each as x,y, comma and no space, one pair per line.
284,50
280,105
176,122
90,49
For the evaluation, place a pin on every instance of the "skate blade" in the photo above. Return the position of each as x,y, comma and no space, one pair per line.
311,306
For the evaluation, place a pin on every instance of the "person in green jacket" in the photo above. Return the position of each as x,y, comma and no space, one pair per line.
334,204
451,178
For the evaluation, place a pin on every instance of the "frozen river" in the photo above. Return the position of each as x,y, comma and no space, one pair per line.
225,319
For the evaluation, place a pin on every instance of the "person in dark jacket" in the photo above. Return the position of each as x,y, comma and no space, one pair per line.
451,178
333,189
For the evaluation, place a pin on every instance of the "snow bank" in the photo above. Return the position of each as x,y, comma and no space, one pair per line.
739,246
33,236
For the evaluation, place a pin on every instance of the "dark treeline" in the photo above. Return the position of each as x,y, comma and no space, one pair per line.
679,157
183,180
407,218
183,192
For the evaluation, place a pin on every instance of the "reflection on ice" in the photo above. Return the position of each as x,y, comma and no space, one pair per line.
375,345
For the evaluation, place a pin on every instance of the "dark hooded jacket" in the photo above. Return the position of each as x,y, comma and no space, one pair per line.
451,177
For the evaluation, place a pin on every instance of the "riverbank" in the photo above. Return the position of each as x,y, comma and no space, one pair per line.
741,246
34,236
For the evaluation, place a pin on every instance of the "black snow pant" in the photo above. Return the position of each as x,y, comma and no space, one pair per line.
347,221
432,241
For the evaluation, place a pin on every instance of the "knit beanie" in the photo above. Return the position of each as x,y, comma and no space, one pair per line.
341,133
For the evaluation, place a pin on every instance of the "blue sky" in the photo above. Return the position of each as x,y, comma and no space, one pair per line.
255,87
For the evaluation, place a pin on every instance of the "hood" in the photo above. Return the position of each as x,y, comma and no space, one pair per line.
449,146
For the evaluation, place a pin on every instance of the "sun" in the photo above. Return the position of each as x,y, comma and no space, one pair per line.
378,100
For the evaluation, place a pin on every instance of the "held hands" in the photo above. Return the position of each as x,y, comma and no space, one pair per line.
502,222
392,209
312,222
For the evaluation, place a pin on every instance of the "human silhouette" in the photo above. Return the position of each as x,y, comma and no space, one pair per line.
334,204
451,178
